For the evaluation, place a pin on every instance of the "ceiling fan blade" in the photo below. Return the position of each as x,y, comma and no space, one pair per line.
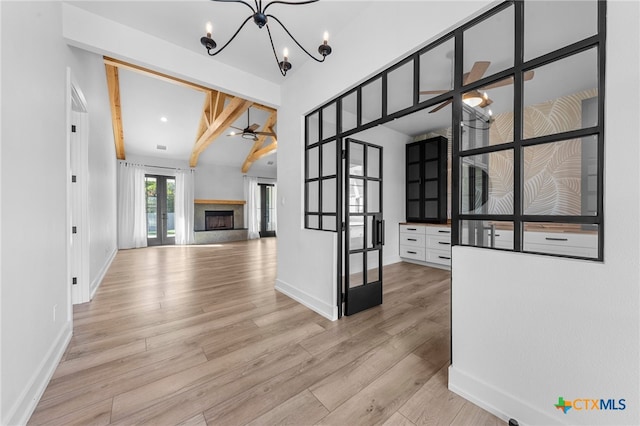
501,83
477,71
433,92
253,127
442,105
528,75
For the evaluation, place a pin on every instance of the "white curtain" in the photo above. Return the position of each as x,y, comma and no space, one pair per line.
251,210
132,207
184,208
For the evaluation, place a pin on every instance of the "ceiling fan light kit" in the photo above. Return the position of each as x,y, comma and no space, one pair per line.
261,19
474,98
249,132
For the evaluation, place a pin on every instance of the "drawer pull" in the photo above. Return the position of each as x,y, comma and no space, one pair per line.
412,229
442,242
444,232
411,239
444,257
411,252
556,239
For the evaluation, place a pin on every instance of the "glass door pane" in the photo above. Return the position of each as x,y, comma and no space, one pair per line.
170,228
160,196
151,185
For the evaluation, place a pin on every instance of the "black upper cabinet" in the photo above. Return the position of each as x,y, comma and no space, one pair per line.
427,181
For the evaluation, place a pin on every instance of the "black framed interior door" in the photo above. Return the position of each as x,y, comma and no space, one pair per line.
160,195
266,210
364,226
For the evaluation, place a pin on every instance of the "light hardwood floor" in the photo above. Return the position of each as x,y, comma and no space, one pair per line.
197,335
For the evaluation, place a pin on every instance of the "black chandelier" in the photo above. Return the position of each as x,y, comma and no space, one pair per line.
261,19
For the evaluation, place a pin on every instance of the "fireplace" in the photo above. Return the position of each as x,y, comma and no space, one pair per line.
215,220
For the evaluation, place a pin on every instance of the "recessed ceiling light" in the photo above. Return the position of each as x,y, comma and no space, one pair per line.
161,147
163,119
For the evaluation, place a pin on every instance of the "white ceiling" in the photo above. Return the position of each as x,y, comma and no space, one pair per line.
144,99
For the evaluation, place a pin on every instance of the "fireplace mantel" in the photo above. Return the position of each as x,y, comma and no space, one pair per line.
224,202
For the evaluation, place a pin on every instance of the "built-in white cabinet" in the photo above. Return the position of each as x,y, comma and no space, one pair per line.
570,244
567,242
426,244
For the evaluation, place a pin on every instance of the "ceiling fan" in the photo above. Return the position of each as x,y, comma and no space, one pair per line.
474,98
249,132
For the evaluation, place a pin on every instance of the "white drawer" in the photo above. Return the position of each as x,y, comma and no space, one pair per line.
443,231
439,242
560,249
413,240
439,256
412,229
415,253
561,239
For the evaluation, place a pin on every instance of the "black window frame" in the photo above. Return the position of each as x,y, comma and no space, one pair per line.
517,145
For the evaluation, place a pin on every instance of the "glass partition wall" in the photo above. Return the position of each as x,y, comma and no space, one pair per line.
522,87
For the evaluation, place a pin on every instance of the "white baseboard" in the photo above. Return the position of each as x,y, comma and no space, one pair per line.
21,411
490,398
95,283
326,310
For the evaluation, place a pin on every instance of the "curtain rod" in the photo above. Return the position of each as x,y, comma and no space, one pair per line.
163,167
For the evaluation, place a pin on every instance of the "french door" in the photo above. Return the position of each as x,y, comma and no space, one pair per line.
267,210
364,226
160,195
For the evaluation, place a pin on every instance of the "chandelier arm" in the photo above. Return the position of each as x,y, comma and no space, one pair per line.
231,39
257,5
275,55
294,39
237,1
287,2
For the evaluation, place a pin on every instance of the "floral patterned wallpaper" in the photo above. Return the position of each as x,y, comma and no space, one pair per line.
552,172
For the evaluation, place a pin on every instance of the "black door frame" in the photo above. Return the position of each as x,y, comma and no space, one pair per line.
369,294
264,210
161,238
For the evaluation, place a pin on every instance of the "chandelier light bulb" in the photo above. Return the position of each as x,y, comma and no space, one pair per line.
325,37
209,29
285,53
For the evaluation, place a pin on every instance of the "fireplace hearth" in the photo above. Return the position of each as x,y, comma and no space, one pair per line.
216,220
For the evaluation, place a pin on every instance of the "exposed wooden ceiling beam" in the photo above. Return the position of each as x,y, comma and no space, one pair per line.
168,78
212,108
259,150
113,85
214,121
227,116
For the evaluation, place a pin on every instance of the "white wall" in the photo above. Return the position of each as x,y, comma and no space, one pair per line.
34,191
89,72
374,40
219,183
34,217
528,329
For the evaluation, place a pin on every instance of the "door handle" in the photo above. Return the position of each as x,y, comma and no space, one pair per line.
377,232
